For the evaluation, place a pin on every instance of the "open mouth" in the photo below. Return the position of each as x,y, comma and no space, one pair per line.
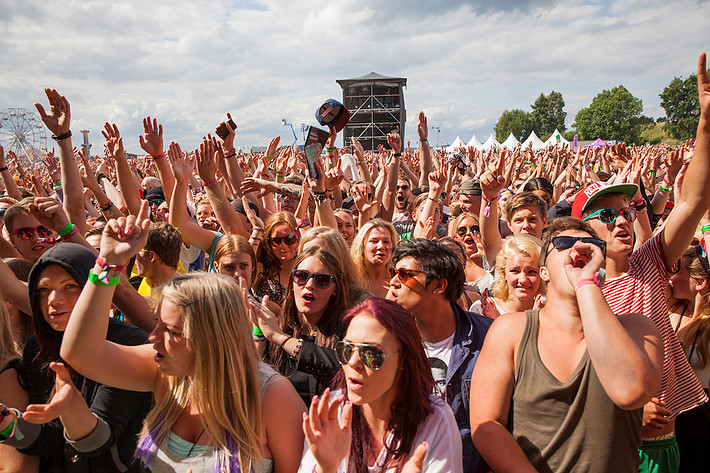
308,298
580,261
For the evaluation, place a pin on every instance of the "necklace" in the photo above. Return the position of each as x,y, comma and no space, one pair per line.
195,442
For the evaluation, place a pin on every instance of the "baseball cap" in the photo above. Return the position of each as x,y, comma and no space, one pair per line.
333,113
598,189
470,187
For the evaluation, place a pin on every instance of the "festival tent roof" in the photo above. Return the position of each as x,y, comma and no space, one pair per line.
596,143
556,138
490,142
474,142
454,147
536,142
510,142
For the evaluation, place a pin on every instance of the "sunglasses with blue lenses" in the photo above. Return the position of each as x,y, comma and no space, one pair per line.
608,216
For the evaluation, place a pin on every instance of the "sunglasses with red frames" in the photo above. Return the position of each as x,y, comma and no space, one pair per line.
25,233
404,274
289,239
321,280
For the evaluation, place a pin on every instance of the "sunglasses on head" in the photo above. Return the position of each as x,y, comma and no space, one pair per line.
25,233
565,242
289,239
404,274
372,356
608,216
321,280
461,231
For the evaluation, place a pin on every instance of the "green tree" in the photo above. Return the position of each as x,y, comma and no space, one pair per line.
613,115
517,122
680,101
548,114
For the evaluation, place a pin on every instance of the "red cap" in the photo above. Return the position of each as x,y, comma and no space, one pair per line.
593,191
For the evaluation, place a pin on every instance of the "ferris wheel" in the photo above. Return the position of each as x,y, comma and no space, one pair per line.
23,132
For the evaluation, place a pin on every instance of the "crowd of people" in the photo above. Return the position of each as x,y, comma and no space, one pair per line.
221,310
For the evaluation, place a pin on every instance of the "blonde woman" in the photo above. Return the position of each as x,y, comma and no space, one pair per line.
216,407
12,395
372,254
517,285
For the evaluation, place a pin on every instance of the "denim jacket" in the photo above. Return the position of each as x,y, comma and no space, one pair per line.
470,331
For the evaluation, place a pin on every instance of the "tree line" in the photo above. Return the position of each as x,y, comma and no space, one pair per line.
614,114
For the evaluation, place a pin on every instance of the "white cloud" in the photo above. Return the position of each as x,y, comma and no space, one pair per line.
188,63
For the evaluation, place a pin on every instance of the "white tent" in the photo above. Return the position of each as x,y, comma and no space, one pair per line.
474,142
510,142
536,142
454,147
556,138
490,142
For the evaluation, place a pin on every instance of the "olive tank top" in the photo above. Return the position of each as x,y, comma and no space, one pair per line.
572,426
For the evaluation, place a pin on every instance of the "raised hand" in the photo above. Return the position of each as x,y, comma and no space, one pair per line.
58,120
251,215
114,142
264,318
49,212
422,126
394,141
436,182
228,141
703,86
358,149
583,262
492,181
273,146
152,138
181,165
64,393
206,159
328,436
52,167
124,237
333,177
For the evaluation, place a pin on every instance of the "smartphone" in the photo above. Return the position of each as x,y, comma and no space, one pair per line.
315,140
222,130
460,161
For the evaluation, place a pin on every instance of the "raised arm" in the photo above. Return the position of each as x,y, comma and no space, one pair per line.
424,150
388,198
491,394
152,143
126,181
693,200
58,121
10,184
84,345
192,233
491,184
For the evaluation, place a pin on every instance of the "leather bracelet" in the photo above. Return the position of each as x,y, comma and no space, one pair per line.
63,136
397,155
284,342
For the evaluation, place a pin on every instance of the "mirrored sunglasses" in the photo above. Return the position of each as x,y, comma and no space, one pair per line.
372,356
25,233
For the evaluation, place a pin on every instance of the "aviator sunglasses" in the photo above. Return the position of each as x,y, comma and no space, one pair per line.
25,233
289,239
321,280
565,242
461,231
608,216
372,356
404,274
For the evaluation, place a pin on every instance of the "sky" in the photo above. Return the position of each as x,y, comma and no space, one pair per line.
189,62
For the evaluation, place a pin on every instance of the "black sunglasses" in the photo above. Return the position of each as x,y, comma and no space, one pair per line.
565,242
404,274
321,280
404,187
289,239
461,231
607,216
156,202
372,356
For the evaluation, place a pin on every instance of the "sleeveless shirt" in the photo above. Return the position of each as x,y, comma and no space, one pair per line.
572,426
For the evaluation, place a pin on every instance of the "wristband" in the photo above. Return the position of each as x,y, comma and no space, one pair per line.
258,229
71,233
397,155
256,330
321,198
94,278
63,136
663,189
66,230
231,153
423,140
211,181
280,175
652,171
431,198
582,283
705,228
3,169
329,150
303,223
284,342
297,351
155,158
487,209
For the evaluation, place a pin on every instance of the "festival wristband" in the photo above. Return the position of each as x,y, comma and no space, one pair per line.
66,230
160,156
256,330
705,228
582,283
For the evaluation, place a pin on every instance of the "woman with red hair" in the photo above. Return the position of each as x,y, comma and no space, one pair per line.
382,416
